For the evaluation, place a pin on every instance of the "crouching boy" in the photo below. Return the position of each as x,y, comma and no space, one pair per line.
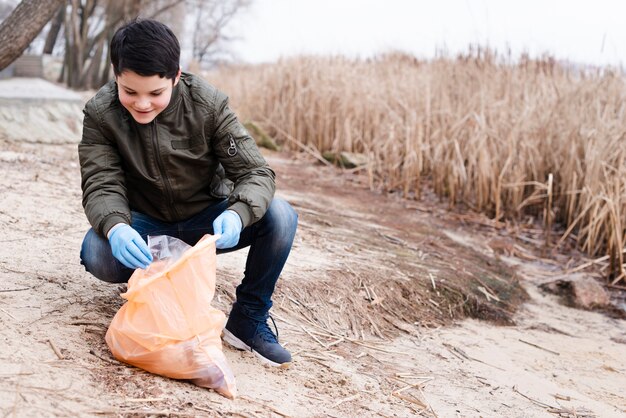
163,154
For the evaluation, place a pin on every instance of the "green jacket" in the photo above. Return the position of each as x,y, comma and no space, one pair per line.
194,154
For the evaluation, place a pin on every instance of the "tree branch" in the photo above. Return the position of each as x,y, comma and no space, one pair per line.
22,26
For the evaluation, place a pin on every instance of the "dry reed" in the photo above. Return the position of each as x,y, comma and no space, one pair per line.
480,131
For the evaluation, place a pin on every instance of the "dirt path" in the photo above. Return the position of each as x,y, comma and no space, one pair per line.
360,264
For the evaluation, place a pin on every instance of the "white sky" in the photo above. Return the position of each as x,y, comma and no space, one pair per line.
591,31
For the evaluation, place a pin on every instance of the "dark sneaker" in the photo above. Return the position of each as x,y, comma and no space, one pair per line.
248,334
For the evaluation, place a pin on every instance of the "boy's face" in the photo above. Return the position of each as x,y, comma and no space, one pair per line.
144,97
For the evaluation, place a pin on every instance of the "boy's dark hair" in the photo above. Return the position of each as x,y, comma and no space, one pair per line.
146,47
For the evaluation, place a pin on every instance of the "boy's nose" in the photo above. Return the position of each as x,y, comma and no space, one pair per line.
142,105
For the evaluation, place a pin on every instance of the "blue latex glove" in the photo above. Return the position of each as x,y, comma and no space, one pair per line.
129,248
229,226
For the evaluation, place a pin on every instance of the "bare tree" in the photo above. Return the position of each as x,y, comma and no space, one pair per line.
82,30
22,26
55,28
89,28
211,20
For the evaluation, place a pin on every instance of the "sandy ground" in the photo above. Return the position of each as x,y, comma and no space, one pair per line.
554,360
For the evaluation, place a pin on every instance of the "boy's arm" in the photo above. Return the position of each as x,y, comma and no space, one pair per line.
103,182
243,164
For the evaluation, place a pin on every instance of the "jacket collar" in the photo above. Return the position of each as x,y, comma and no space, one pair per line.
174,100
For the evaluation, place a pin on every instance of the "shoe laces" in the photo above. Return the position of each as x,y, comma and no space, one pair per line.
264,330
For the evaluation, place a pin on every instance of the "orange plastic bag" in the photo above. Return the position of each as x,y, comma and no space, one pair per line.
167,326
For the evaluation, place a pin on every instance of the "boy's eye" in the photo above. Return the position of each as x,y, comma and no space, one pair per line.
130,93
156,94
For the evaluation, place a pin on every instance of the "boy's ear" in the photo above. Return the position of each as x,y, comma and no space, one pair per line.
177,79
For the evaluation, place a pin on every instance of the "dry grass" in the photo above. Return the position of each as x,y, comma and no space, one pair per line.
511,140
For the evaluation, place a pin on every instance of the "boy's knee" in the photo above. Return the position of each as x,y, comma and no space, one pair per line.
284,214
96,257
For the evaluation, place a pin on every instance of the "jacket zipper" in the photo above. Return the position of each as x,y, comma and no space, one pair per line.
168,187
232,149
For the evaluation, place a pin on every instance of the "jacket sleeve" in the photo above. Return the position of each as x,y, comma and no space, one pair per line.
102,177
254,180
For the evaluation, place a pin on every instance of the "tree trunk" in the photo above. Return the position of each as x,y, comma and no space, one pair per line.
91,76
53,33
22,26
106,70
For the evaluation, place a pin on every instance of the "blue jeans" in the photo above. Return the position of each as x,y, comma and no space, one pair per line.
270,240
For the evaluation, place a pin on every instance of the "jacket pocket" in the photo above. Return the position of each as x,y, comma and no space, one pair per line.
187,143
242,151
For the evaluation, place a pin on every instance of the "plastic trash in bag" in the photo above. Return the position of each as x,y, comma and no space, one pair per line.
167,326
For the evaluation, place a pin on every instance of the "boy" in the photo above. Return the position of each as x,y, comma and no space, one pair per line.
163,154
